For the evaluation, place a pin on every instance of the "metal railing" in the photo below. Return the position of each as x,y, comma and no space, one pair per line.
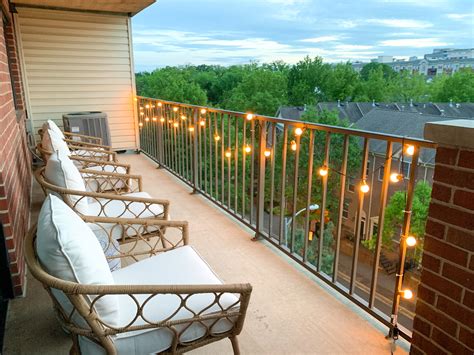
266,171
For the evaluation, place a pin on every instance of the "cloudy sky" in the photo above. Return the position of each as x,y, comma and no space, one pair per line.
178,32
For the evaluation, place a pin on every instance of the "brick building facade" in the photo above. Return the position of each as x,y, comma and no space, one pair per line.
15,159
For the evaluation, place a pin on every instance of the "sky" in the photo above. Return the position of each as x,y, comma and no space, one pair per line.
227,32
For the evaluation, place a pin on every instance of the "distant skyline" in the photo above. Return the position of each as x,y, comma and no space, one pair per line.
179,32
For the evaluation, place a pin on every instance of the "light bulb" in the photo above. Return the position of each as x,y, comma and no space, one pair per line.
183,117
249,116
147,119
411,241
162,119
202,123
323,171
140,124
364,188
228,153
247,149
141,108
298,131
410,149
294,146
203,111
407,294
147,106
152,106
142,113
395,177
217,138
135,99
154,119
176,124
191,129
267,152
175,109
160,104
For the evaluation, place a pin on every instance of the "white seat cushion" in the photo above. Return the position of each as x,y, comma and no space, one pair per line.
61,171
49,124
70,251
182,266
115,209
105,184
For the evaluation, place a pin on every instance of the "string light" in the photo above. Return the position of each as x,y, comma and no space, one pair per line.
411,241
140,124
323,171
202,123
141,108
203,111
298,131
160,104
228,153
154,119
247,149
410,149
175,109
183,117
162,119
293,145
249,116
267,153
147,119
152,106
395,177
142,113
217,138
191,129
176,124
407,294
147,106
364,188
136,99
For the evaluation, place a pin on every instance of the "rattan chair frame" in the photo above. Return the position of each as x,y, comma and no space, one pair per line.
83,297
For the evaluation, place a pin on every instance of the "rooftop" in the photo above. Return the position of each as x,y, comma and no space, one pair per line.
290,310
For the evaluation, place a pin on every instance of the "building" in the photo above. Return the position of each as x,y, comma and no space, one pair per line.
441,61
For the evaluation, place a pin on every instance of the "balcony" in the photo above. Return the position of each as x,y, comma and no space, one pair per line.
290,310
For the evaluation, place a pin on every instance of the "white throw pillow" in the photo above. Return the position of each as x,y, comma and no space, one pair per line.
49,124
70,251
58,143
61,171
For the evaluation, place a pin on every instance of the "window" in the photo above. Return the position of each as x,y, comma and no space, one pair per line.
367,171
381,171
405,168
345,208
351,184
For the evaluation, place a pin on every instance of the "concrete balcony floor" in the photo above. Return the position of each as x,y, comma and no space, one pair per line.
291,311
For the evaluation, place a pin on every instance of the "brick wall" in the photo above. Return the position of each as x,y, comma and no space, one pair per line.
15,160
444,320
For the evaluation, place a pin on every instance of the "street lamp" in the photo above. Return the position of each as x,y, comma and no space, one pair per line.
312,207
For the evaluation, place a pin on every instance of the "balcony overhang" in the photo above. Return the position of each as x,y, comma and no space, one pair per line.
130,7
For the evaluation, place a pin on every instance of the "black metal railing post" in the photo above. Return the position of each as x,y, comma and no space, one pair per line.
262,145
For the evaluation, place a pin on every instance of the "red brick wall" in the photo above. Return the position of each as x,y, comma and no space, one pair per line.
444,320
15,159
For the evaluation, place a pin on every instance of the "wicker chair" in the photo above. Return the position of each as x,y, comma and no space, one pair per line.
74,139
122,197
156,314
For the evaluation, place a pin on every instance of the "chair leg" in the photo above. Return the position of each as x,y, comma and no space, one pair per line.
75,346
235,345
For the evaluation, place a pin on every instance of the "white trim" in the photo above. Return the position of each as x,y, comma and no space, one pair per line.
134,88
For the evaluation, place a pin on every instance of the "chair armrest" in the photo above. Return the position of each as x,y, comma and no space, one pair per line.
88,163
86,144
83,138
93,153
101,181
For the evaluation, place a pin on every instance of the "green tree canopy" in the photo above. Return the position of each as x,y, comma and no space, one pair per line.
459,87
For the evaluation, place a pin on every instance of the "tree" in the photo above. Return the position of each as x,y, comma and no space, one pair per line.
459,87
410,87
387,71
341,82
170,84
307,81
260,91
394,215
377,87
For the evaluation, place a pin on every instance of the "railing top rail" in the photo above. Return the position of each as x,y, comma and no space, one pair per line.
311,125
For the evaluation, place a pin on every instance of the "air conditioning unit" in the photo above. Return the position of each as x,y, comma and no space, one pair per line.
90,123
